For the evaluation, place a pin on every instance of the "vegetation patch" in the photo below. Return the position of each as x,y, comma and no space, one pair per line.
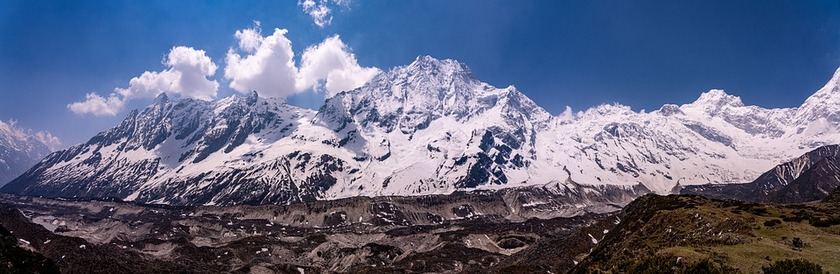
797,266
671,264
737,236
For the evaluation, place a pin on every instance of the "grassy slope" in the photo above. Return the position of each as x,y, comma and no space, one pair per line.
731,233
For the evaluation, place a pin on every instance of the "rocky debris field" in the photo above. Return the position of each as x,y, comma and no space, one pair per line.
443,234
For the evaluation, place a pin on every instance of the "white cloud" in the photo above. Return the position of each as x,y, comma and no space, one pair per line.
268,65
97,105
332,62
190,69
186,75
265,64
249,39
321,10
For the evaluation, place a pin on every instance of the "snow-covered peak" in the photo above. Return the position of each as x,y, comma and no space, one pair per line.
605,111
252,98
670,110
225,104
835,80
427,69
9,130
831,91
753,120
411,97
21,148
162,98
432,65
24,139
825,103
716,99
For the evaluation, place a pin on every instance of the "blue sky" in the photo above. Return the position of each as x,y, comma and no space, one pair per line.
560,53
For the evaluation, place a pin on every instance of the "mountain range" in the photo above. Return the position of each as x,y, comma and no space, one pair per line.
430,127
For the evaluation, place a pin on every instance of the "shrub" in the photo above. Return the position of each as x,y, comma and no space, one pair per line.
797,266
670,264
820,222
707,267
654,264
799,216
772,223
798,243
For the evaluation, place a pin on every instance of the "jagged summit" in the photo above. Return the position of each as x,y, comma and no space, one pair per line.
821,109
426,70
432,65
162,98
670,110
252,98
718,98
410,98
835,79
605,111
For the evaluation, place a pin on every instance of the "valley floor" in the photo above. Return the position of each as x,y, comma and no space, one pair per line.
109,237
653,234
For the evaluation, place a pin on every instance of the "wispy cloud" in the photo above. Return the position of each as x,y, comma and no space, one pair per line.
186,75
321,10
567,114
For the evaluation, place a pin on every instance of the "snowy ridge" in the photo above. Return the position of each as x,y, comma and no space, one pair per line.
429,127
20,149
810,177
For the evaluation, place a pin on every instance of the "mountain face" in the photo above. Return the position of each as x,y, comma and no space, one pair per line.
810,177
833,197
20,150
429,127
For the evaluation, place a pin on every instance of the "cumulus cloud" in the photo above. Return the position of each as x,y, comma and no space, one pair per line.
250,39
267,65
186,75
332,62
321,10
97,105
262,63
